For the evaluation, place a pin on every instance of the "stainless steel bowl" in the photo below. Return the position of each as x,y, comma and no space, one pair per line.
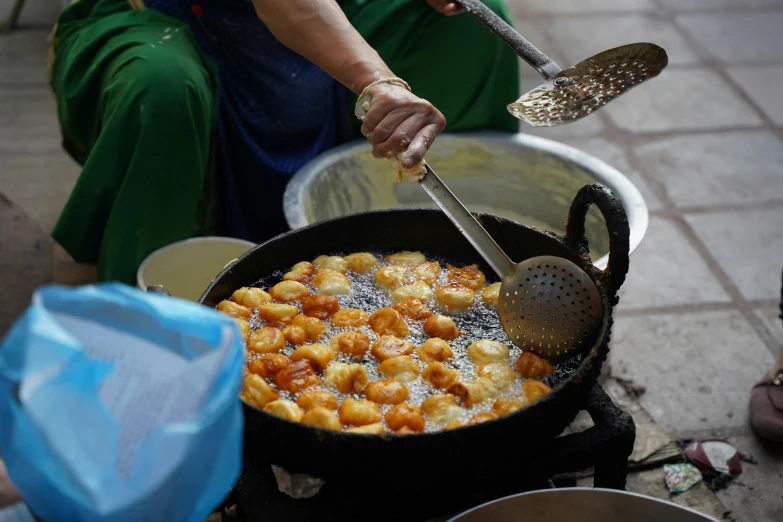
528,179
580,504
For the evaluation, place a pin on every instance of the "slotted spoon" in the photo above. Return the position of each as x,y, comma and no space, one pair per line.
571,94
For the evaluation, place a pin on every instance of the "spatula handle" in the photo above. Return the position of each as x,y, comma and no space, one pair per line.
526,50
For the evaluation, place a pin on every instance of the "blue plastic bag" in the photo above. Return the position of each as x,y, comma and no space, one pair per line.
120,405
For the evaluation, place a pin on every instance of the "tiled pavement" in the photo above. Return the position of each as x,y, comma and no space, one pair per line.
704,143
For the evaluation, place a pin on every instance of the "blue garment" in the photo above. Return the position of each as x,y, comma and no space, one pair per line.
277,112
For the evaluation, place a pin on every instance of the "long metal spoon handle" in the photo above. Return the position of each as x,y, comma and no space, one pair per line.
526,50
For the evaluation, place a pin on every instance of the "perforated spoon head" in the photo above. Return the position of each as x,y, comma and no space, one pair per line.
579,90
551,307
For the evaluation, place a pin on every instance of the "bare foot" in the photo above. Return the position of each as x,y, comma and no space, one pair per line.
8,493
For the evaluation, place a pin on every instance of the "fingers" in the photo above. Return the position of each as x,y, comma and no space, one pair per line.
399,138
386,127
420,145
452,9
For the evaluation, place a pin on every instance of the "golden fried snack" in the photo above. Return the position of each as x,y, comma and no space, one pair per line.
320,306
531,366
481,417
390,277
295,335
402,368
268,365
354,343
441,326
506,405
426,272
318,354
388,321
468,276
371,429
361,262
331,282
312,326
359,413
491,294
386,391
297,376
405,415
406,431
347,378
420,290
440,375
413,309
321,418
454,424
287,291
474,392
234,310
350,317
442,408
485,351
285,409
336,263
266,340
244,328
501,374
316,399
434,349
251,297
388,346
454,296
534,390
257,392
278,315
301,272
406,258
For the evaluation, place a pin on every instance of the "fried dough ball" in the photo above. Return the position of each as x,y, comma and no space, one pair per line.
534,390
318,354
278,315
501,374
402,368
316,399
387,391
454,424
301,272
350,317
442,408
251,297
266,340
531,366
354,343
297,376
372,429
295,335
234,310
244,328
285,409
312,326
287,291
474,392
491,294
481,417
361,262
321,418
257,392
390,277
336,263
268,365
440,375
388,321
359,413
388,346
506,405
420,290
320,306
434,349
454,296
413,308
426,272
441,326
468,276
485,351
346,378
331,282
405,416
406,258
406,431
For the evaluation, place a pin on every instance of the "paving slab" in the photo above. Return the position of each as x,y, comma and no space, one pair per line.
762,84
770,316
23,57
34,13
748,245
667,271
532,30
530,7
698,368
726,168
698,5
28,120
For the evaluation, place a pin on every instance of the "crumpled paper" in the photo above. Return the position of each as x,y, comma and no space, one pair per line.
680,478
120,405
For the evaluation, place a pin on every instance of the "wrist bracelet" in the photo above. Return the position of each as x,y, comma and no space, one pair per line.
395,79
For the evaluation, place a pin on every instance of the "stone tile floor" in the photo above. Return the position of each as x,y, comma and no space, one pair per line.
704,143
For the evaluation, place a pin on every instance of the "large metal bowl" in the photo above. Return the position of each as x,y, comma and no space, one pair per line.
525,178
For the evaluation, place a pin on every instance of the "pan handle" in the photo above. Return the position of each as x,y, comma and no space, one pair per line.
612,209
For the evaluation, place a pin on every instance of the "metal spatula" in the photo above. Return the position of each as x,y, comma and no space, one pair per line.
571,94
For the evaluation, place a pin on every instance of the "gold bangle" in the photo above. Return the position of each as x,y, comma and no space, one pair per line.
396,80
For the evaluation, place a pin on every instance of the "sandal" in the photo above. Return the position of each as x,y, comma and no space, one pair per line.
766,407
